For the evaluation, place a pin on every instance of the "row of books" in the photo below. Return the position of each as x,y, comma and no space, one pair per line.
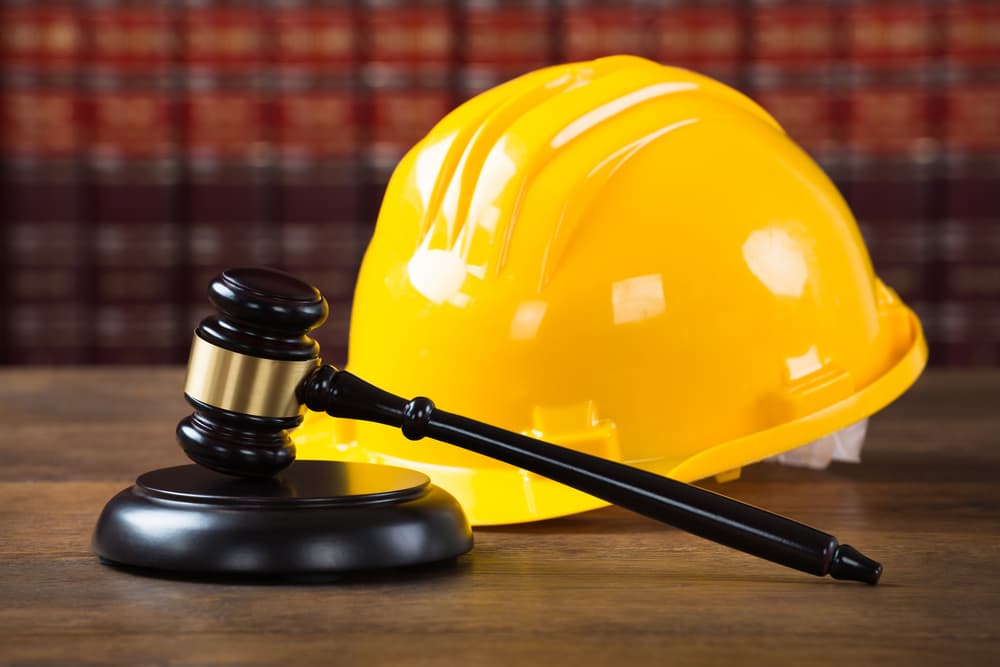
149,143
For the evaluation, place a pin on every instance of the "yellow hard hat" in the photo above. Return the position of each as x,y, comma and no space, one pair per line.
627,259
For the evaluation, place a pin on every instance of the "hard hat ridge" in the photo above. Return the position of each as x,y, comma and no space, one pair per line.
473,183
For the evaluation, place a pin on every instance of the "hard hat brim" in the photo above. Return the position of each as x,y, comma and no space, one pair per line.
501,495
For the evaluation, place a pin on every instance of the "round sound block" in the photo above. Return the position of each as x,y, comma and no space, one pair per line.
315,517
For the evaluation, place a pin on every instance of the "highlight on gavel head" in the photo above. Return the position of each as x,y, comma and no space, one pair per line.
246,363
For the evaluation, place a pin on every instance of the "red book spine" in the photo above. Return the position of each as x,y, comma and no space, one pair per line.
596,28
889,48
794,38
792,73
318,133
969,317
228,143
707,37
410,54
503,40
891,143
46,318
132,166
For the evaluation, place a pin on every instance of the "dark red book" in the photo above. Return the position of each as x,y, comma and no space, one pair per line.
228,144
793,48
47,316
970,197
808,113
971,34
317,129
891,145
314,36
596,28
132,161
887,37
708,37
411,35
793,40
502,40
410,55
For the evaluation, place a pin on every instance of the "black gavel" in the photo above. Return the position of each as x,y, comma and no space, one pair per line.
253,367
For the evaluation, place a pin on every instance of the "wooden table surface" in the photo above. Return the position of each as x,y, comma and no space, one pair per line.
606,587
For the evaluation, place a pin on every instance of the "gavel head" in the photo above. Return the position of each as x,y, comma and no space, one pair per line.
246,363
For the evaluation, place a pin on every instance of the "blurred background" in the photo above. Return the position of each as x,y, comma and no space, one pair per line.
147,144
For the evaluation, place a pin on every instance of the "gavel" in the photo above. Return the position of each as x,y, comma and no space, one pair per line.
254,369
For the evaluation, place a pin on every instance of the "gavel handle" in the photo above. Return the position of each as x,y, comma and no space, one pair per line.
704,513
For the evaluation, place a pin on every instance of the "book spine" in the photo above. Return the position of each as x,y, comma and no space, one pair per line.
595,28
502,40
891,143
968,318
227,144
132,172
46,241
409,59
710,38
318,144
793,73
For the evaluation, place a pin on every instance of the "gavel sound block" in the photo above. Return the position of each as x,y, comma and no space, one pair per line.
249,508
245,508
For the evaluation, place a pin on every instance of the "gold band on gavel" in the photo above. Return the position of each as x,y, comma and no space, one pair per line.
241,383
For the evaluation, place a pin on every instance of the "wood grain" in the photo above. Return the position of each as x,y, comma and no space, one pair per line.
605,587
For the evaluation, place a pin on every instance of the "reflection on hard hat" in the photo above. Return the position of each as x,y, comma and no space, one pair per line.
804,364
637,299
616,106
775,257
437,274
527,319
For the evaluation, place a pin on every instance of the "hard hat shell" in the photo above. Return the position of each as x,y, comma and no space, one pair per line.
627,259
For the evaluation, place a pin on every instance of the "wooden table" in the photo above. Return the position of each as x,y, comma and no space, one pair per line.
606,587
